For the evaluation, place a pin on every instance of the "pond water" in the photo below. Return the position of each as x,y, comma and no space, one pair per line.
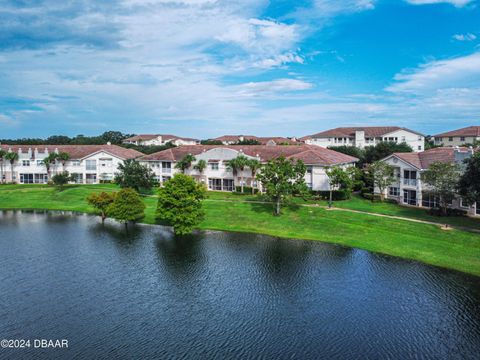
221,295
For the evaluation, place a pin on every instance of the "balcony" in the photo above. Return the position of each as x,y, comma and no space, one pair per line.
410,182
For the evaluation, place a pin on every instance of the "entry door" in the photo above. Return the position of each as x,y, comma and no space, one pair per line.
410,197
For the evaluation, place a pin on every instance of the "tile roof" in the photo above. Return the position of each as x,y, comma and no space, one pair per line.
422,160
467,131
78,151
370,131
154,136
309,154
261,139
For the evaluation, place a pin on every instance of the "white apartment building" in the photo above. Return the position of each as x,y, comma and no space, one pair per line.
458,137
409,189
160,139
366,136
89,164
217,175
270,140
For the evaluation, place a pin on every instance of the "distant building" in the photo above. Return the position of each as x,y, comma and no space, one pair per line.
409,188
160,139
217,175
458,137
88,164
366,136
272,140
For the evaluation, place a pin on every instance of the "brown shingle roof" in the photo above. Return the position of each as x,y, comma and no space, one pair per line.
78,151
309,154
370,131
423,160
467,131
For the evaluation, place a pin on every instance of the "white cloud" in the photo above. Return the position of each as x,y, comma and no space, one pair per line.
274,86
464,37
457,3
461,72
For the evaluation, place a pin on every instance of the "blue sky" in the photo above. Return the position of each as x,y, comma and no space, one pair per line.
205,68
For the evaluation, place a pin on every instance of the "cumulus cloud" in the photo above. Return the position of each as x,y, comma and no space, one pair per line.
460,72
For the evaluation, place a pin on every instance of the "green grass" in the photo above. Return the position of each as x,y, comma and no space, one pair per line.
453,249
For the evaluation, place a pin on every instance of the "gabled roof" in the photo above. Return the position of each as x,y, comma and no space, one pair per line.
309,154
467,131
423,160
261,139
154,136
370,131
77,152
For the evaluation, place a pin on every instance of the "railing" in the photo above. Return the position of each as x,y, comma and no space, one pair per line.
410,182
167,170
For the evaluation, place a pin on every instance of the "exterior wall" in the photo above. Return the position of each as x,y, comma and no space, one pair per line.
416,185
104,169
417,142
217,168
455,140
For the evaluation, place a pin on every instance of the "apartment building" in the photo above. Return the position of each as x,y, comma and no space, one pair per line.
160,139
409,188
265,140
218,176
366,136
88,164
459,137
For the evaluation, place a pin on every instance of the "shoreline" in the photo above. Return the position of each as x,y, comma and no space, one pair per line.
271,234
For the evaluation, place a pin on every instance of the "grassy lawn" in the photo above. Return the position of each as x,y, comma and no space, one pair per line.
454,249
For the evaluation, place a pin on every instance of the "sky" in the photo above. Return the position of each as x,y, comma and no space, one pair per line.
204,68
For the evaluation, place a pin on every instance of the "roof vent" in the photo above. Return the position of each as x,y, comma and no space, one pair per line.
109,143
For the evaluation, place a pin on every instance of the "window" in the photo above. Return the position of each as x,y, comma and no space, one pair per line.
450,138
165,178
419,147
404,139
463,205
410,177
430,200
39,162
213,165
420,138
26,178
228,185
91,165
215,184
309,169
462,138
393,191
75,162
25,162
166,167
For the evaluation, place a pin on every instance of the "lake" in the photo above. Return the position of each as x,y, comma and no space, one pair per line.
221,295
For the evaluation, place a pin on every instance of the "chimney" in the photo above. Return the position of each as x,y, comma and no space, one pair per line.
35,153
109,143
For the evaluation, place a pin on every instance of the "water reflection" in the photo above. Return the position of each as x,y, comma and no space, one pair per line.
148,294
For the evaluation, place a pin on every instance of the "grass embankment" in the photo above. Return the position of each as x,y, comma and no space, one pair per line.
453,249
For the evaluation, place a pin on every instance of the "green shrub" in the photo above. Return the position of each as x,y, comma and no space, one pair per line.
247,190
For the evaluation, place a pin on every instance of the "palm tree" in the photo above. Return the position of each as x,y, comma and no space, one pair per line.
2,155
254,166
238,164
63,157
185,163
48,161
12,157
201,165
